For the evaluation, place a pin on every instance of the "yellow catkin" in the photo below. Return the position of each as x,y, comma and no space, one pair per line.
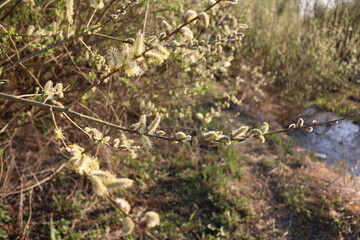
86,164
240,132
154,124
98,186
147,143
48,86
186,32
141,125
132,69
163,50
166,26
139,46
224,139
204,18
261,138
254,132
128,226
265,128
151,219
180,135
30,30
200,116
59,87
70,11
154,56
190,15
116,143
160,133
211,135
120,183
105,176
58,134
123,205
300,122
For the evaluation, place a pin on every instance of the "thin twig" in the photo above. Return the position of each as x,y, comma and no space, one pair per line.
96,82
112,38
50,46
76,125
37,184
146,16
24,235
4,3
32,75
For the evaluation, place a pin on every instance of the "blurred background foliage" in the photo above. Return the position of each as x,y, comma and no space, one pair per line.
311,49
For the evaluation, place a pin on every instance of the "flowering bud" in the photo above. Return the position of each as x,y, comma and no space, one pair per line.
166,26
48,86
59,87
160,133
150,220
98,186
224,139
200,116
128,226
30,30
139,46
123,205
261,138
254,132
187,33
116,143
243,26
309,129
265,127
180,135
232,1
204,18
300,122
240,132
190,15
154,124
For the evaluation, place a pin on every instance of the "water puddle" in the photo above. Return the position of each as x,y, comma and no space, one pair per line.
336,143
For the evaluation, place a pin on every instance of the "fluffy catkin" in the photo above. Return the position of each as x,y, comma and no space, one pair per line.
69,11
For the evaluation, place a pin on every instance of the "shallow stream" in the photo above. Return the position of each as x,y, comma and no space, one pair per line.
336,143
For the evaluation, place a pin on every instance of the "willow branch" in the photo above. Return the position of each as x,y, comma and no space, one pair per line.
172,139
187,23
77,114
48,47
96,82
99,81
335,121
